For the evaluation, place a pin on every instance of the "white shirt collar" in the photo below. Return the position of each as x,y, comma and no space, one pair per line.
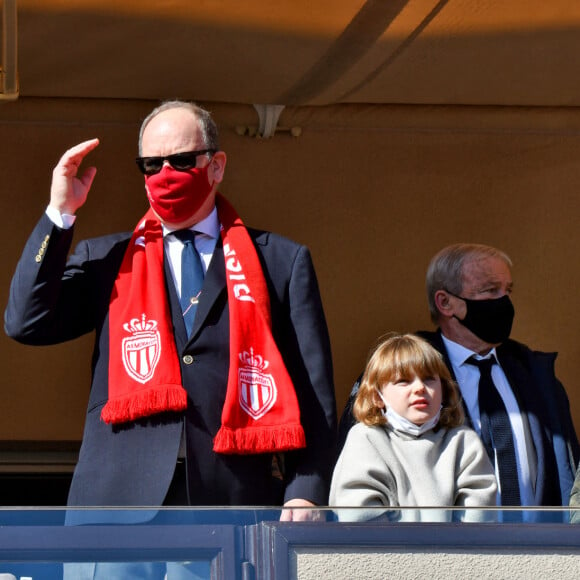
458,353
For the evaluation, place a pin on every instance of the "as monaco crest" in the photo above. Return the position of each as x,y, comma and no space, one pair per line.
141,350
257,390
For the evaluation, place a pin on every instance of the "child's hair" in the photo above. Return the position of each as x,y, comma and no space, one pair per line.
402,356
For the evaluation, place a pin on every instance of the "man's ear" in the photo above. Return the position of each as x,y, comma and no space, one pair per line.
218,166
443,303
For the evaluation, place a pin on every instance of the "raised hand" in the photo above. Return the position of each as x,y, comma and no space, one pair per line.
67,191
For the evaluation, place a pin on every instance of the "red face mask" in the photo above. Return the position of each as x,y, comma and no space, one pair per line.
174,195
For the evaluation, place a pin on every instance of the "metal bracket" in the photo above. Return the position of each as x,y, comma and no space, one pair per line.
268,116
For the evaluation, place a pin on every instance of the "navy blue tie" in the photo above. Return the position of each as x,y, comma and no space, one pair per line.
191,277
496,432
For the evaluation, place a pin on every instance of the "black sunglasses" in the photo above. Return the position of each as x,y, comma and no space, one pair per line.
179,161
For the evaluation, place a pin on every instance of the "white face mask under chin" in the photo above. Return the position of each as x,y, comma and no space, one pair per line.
399,423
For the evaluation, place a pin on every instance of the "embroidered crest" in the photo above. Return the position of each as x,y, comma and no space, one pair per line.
257,390
141,350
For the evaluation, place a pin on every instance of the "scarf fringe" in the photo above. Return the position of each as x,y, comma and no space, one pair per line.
144,403
259,439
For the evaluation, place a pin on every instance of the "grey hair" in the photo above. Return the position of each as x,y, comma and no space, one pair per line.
445,271
206,123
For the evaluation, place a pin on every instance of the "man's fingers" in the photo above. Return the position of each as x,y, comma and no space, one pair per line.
68,191
286,515
83,148
74,156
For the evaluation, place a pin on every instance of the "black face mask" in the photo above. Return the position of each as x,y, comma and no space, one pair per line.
490,320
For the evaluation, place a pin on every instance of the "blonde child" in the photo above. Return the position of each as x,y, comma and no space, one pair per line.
409,447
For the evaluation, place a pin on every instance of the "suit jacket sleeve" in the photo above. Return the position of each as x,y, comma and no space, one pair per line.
47,303
54,297
306,349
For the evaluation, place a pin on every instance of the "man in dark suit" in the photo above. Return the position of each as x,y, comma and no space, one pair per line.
468,288
167,457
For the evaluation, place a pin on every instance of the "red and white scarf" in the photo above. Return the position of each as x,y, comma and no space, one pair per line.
261,412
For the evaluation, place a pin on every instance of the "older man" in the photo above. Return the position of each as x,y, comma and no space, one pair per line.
212,374
510,393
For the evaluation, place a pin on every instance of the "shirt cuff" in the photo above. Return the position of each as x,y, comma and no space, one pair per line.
62,220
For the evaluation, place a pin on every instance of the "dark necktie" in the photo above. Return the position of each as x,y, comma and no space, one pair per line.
496,432
191,277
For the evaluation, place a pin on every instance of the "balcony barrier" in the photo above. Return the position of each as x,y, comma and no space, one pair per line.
252,544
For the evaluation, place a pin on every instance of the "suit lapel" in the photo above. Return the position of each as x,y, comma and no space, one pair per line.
520,382
174,306
213,286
